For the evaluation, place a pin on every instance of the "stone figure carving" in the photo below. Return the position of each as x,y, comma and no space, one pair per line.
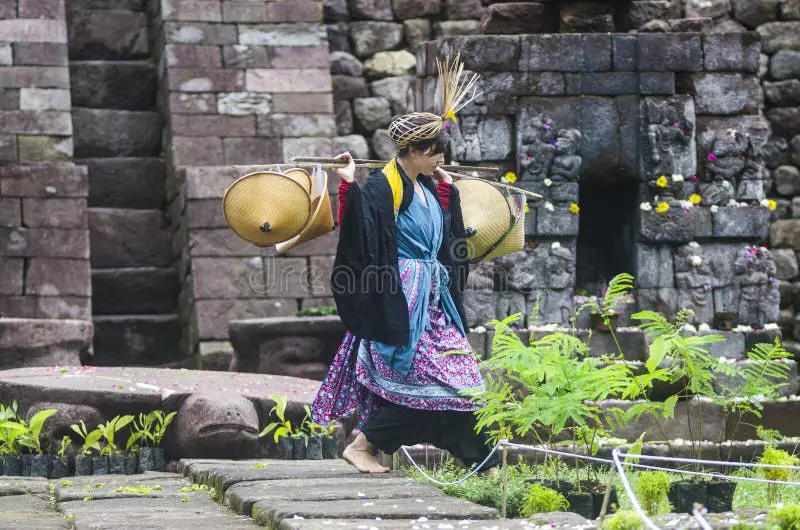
694,279
735,164
755,272
669,137
537,148
566,159
467,144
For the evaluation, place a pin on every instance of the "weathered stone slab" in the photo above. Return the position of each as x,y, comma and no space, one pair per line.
108,34
779,35
370,38
741,221
671,52
126,238
432,508
676,225
30,30
29,512
126,182
732,52
40,342
136,340
681,426
485,53
107,84
140,290
105,133
722,93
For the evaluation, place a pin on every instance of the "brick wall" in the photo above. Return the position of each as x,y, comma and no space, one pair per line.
44,241
242,83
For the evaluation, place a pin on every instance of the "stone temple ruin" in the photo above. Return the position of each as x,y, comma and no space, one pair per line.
662,135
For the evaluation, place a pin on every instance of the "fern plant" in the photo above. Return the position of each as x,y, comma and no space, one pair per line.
619,286
761,378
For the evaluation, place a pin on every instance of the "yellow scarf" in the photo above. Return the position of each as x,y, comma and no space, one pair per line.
395,183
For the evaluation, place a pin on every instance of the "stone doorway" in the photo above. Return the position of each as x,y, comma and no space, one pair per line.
606,233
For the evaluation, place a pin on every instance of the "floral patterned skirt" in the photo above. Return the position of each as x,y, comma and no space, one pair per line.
358,378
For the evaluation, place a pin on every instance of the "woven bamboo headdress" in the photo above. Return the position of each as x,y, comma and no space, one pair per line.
454,89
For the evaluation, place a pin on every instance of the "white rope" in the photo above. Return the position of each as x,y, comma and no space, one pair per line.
453,483
698,516
713,475
712,462
559,453
624,478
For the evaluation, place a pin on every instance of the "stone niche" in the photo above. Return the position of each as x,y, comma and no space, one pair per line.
647,149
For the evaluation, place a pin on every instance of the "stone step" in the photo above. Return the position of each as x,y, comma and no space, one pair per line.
119,5
136,340
129,238
137,183
276,492
112,34
144,290
107,84
113,133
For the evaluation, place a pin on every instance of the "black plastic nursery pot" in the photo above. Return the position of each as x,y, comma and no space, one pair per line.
41,465
146,460
131,464
27,460
299,447
100,465
159,459
314,449
720,495
285,448
12,465
330,447
83,466
116,464
684,493
62,467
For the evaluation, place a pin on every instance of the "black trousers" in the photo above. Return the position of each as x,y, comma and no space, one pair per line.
393,425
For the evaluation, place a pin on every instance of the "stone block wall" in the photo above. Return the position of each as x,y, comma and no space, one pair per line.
372,61
44,240
243,83
675,117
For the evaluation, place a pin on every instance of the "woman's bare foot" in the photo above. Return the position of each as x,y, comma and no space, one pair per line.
359,453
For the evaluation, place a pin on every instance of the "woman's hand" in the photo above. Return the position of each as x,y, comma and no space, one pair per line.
348,172
442,176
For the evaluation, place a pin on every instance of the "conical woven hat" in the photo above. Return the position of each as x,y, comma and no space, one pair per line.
488,211
300,176
266,208
321,221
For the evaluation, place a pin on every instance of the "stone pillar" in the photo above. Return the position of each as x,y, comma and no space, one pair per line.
244,83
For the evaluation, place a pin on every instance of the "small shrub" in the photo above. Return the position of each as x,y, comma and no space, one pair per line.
539,499
786,517
778,457
623,520
652,488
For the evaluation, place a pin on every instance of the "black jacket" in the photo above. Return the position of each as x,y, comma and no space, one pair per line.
366,279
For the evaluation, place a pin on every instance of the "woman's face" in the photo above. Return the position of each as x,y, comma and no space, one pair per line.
427,160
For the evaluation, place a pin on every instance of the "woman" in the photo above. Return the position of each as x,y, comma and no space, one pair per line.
398,276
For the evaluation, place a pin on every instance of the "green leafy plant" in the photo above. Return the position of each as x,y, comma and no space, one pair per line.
282,427
310,427
66,441
109,431
786,517
149,429
776,457
652,489
539,499
91,439
605,306
30,438
623,520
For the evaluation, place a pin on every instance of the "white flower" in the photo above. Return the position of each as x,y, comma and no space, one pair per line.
732,202
694,244
704,327
479,329
696,261
549,206
764,203
645,207
762,249
685,205
548,182
689,327
475,174
677,178
714,208
726,184
742,329
555,245
771,325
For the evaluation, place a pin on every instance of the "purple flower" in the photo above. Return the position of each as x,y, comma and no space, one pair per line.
693,178
546,126
676,125
772,280
712,157
447,127
552,142
707,287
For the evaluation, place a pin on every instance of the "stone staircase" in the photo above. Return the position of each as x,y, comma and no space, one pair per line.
117,135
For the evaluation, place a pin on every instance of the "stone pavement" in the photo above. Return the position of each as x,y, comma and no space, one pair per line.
234,494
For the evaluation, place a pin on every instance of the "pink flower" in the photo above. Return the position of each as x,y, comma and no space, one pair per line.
712,157
676,125
693,178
